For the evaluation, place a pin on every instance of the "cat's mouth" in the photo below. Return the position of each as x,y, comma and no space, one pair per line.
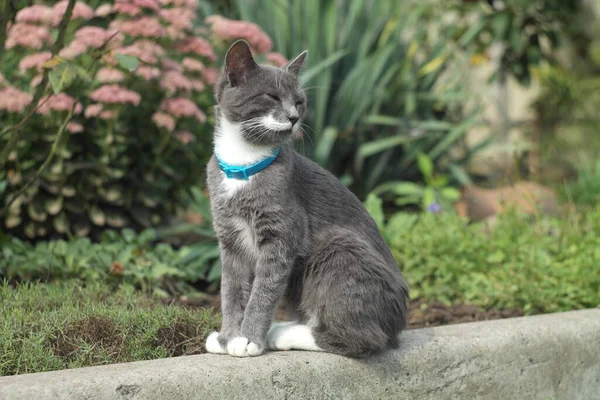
271,124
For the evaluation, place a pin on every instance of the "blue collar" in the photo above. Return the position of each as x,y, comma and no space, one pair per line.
237,172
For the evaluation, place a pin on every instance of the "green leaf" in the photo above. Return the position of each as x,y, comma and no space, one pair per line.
399,224
325,144
500,25
428,197
452,136
61,77
128,62
317,69
472,32
379,145
400,188
450,194
425,166
496,257
373,204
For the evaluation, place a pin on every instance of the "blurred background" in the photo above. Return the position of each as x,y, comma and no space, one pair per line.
469,128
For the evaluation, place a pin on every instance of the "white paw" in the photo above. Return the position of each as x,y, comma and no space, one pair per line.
288,337
213,346
240,347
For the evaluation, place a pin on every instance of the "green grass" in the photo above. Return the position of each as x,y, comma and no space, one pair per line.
536,265
48,327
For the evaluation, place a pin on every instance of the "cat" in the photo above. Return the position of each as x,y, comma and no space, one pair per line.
287,227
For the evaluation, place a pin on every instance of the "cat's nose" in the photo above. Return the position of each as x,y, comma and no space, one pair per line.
293,119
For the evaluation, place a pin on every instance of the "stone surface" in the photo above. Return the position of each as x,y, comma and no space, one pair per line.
554,356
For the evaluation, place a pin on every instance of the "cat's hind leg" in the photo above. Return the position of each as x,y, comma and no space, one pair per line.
355,294
292,336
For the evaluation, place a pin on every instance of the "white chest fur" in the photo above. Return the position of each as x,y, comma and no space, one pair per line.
246,238
231,148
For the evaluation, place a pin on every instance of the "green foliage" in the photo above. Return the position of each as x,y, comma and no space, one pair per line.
125,258
433,193
528,31
547,265
202,257
52,327
122,166
379,94
586,189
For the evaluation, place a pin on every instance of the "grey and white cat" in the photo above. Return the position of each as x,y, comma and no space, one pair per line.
292,230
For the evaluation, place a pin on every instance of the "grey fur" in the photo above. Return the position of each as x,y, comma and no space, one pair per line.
314,241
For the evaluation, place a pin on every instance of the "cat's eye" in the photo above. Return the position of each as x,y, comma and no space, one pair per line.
299,102
273,96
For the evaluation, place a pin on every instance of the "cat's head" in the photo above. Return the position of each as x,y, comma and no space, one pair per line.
267,102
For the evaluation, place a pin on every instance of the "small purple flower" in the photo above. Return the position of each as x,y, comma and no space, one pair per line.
434,208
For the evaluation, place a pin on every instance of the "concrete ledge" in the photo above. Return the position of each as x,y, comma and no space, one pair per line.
553,356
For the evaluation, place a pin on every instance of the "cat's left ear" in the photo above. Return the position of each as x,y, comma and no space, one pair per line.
294,66
239,63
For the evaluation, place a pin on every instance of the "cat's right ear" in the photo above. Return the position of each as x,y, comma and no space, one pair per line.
238,63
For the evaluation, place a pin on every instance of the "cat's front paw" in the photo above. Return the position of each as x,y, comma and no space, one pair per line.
241,347
213,346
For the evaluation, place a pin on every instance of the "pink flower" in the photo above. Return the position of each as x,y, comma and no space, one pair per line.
104,10
185,137
277,59
192,65
36,80
107,114
27,35
92,36
13,100
228,29
182,107
81,10
150,47
210,76
74,127
34,61
74,49
197,85
59,102
196,45
174,80
144,26
115,94
191,4
180,18
127,9
93,110
135,51
171,65
174,33
151,4
163,120
36,13
147,72
109,75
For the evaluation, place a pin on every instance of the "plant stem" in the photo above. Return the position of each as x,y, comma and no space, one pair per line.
7,14
58,45
47,161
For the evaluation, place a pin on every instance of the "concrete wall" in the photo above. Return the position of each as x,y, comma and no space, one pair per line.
554,356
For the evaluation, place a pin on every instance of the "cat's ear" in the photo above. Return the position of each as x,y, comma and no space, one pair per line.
295,65
238,62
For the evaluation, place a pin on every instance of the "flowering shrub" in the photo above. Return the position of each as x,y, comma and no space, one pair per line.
137,76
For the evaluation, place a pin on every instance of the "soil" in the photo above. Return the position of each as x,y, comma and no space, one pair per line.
421,314
99,332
